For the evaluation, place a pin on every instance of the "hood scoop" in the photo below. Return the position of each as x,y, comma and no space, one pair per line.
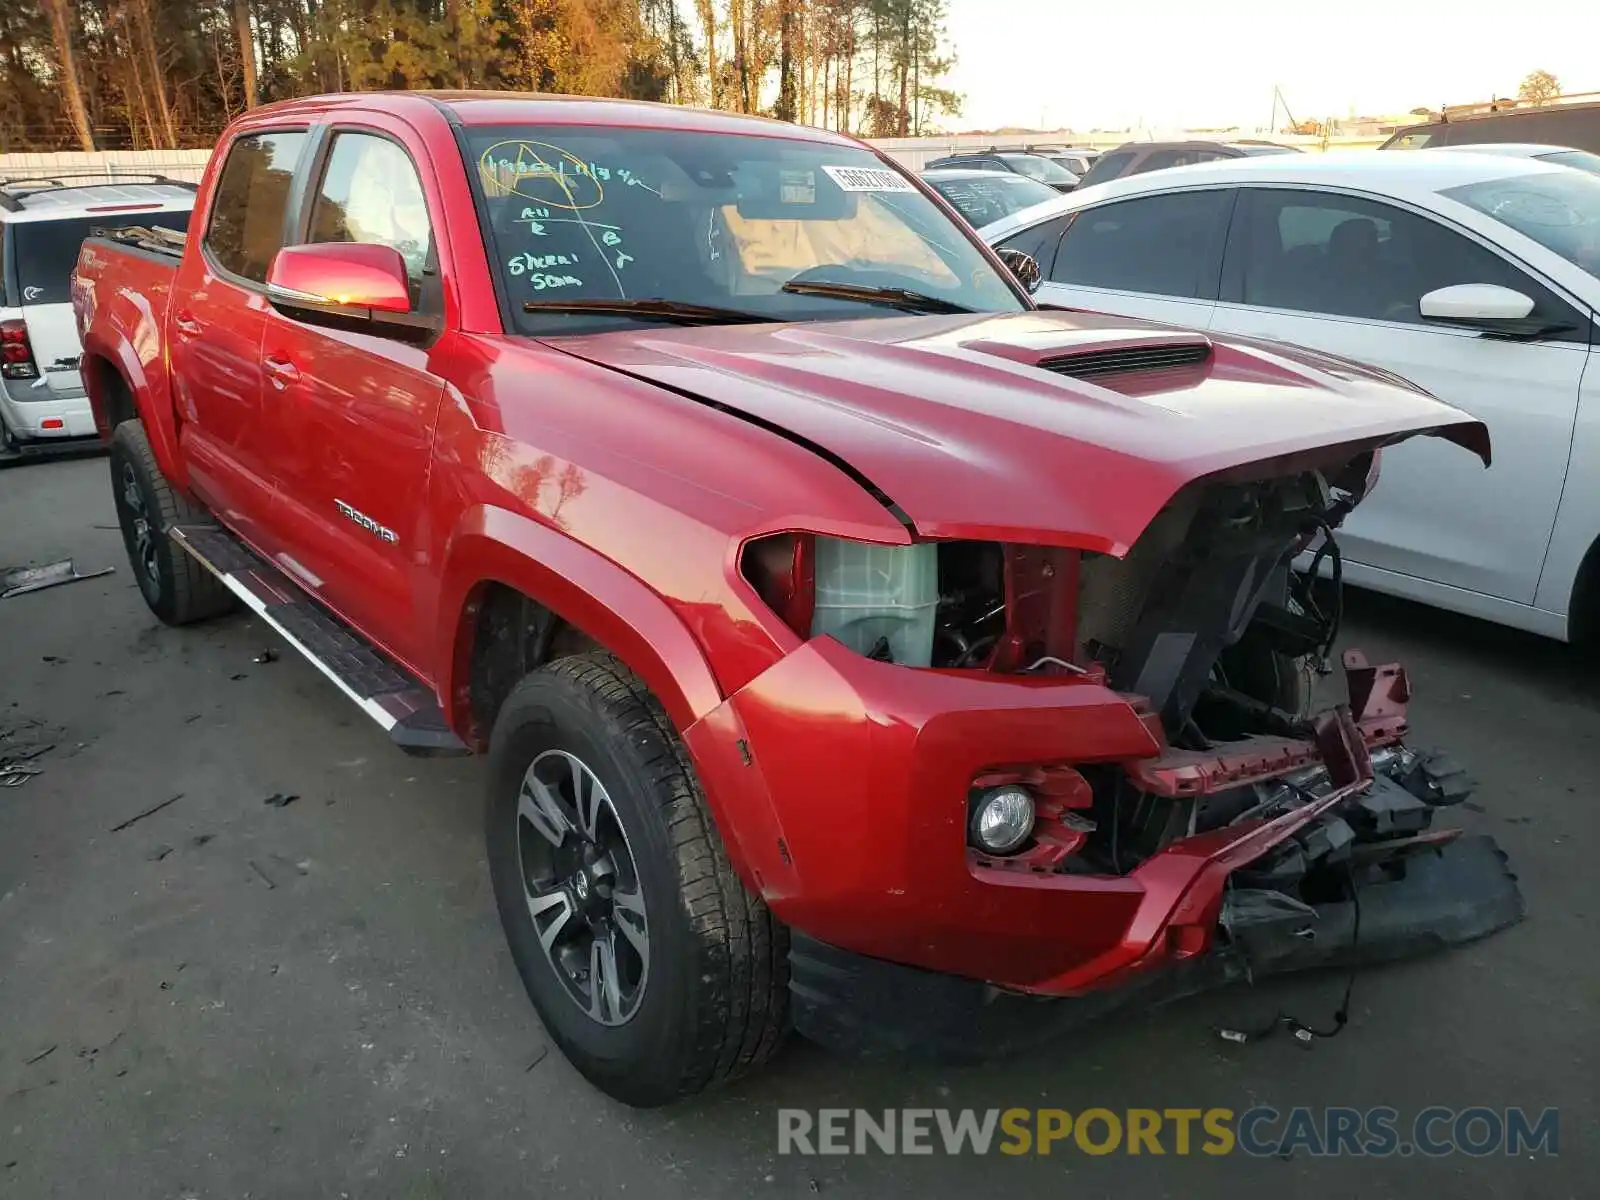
1128,360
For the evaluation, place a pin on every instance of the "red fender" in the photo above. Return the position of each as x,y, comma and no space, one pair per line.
107,352
583,588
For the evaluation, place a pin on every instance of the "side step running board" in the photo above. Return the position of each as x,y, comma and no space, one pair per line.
403,705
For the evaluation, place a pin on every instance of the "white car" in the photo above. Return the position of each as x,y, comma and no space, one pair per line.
42,224
1564,156
1472,275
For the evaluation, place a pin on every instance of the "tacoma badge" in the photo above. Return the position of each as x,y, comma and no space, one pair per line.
366,522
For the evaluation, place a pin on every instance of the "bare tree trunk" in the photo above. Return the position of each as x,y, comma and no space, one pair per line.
788,97
145,45
905,71
133,90
247,50
708,22
61,23
458,37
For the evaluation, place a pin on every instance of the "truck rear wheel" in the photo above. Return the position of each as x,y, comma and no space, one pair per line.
177,588
649,963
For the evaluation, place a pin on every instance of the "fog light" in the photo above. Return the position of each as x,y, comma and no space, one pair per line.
1002,819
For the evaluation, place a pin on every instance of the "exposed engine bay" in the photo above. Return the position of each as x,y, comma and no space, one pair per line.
1208,630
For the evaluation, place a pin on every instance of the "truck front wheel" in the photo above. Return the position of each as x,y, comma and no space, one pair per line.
650,965
177,588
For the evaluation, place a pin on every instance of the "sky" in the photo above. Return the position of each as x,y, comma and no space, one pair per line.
1164,63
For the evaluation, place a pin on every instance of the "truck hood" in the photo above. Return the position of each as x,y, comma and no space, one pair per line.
1049,427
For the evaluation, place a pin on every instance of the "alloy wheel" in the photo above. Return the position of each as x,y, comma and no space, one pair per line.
582,887
143,533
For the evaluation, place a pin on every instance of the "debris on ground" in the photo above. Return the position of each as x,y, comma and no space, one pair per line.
266,656
14,768
19,581
41,1056
151,811
159,853
281,799
265,878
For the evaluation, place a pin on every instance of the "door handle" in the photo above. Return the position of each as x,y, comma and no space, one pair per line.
186,325
280,371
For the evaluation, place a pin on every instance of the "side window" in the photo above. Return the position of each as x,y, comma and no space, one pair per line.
1161,159
369,192
1039,241
1351,257
1108,166
1165,245
251,198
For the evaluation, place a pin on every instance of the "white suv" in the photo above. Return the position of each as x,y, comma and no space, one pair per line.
42,224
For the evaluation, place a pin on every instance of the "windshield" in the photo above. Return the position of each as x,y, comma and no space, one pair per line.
605,213
986,199
1580,160
47,251
1558,209
1042,169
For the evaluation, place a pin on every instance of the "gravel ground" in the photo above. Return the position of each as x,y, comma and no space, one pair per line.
231,999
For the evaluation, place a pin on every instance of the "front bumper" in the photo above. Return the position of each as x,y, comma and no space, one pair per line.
841,787
1459,893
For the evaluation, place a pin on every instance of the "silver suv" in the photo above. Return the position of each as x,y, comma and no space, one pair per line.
42,224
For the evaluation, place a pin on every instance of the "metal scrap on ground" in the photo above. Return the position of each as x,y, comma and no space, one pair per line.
21,580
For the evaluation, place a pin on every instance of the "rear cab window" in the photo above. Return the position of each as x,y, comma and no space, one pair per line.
250,203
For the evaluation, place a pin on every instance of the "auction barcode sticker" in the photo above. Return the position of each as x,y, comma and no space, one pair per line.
869,179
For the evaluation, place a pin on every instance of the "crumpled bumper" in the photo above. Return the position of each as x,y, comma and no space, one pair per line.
840,785
1449,895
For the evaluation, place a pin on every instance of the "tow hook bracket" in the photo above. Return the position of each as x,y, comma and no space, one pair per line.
1344,750
1377,692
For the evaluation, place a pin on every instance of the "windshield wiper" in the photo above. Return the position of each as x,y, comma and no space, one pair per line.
655,309
894,297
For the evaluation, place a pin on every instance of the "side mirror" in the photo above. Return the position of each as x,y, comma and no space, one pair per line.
1025,267
345,285
1480,305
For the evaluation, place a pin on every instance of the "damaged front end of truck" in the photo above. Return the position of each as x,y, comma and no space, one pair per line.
1262,831
1066,745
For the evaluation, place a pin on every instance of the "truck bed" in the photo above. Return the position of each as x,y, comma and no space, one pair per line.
120,290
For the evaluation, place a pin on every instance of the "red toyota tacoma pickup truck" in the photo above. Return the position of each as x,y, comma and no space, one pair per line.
856,647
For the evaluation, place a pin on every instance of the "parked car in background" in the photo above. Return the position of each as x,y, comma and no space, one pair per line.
1472,276
1032,166
1135,158
983,197
1077,159
788,564
1576,125
1563,156
42,224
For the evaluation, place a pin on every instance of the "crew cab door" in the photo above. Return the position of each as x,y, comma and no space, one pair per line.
353,409
1156,257
1344,273
216,316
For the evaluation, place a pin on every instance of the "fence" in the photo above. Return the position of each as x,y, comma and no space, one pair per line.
174,164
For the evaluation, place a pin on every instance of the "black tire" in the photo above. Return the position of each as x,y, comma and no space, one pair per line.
176,587
714,999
